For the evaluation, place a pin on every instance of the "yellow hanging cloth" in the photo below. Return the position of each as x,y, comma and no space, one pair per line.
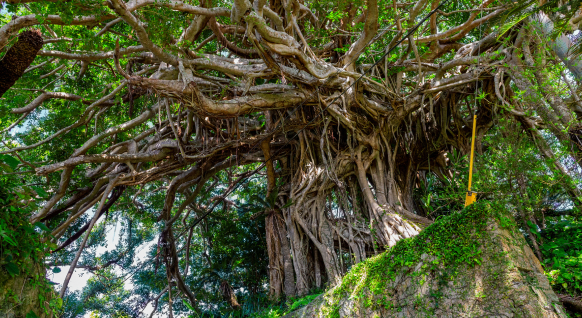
471,197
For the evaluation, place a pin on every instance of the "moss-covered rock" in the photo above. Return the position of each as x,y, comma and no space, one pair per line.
27,295
474,263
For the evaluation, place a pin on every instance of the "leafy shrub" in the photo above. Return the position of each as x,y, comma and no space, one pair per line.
269,310
270,313
19,240
562,251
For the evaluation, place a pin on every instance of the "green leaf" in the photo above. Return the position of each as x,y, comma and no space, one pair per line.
40,20
260,200
31,314
56,270
567,276
12,269
41,226
6,167
8,239
335,15
288,204
187,304
40,191
11,161
272,199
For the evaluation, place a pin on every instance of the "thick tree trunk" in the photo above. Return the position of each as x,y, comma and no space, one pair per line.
280,262
18,58
340,204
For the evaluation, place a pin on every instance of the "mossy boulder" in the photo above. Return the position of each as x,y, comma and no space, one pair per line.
474,263
28,294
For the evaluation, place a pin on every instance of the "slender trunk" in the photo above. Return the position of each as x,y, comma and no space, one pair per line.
289,283
228,295
533,98
317,269
560,170
93,221
298,249
274,252
526,215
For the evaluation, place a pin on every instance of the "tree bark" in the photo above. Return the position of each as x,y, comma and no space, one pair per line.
228,295
18,58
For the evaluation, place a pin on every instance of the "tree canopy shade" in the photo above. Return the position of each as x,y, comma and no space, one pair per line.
277,143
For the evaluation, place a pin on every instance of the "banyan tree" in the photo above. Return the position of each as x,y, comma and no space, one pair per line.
343,108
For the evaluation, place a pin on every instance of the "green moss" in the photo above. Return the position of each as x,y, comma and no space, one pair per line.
301,302
452,243
470,263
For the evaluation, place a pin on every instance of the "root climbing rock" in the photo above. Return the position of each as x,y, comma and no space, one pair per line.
572,303
472,264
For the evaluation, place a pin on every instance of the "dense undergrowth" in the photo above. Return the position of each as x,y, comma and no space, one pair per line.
562,251
259,306
289,306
